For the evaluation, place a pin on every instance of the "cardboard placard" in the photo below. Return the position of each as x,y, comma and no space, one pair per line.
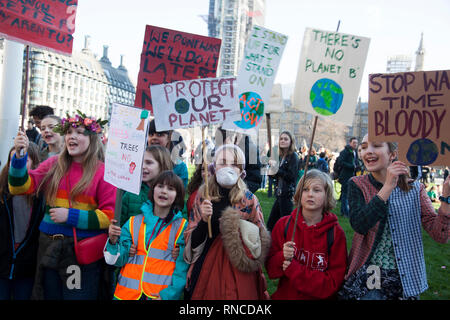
170,55
194,103
262,55
127,139
329,74
45,23
413,109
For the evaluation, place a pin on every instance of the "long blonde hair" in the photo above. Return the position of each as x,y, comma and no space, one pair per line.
93,157
238,190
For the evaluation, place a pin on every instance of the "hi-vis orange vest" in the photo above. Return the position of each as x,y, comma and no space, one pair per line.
149,271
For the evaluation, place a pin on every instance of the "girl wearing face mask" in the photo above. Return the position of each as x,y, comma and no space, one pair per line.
228,265
78,200
54,140
285,179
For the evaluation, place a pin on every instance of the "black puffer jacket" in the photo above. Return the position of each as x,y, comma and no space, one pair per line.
286,177
253,176
348,162
21,262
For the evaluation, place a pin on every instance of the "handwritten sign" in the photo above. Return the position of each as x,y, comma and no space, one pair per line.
169,55
192,103
44,23
329,74
413,109
256,76
126,146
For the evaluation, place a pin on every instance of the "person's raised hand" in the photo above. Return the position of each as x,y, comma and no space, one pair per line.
206,210
21,142
395,169
175,252
114,232
288,250
59,215
132,251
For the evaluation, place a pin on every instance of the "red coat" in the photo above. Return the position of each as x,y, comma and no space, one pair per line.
312,274
190,203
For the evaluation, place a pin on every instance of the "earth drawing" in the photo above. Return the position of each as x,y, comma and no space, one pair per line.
422,152
326,96
252,110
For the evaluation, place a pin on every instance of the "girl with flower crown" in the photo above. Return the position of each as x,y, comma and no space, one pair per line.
53,139
77,200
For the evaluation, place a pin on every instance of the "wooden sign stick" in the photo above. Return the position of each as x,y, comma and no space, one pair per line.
118,206
306,167
205,168
269,134
304,177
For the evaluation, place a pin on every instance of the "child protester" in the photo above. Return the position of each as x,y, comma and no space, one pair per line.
313,265
78,202
54,141
387,211
227,266
152,273
19,233
156,160
174,143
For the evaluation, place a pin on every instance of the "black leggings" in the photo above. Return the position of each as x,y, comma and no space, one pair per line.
283,206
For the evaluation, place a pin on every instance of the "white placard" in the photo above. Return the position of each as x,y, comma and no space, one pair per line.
194,103
256,76
127,137
329,74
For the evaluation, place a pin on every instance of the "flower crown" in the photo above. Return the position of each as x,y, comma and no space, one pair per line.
92,126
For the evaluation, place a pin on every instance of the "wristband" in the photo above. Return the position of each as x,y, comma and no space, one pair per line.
445,199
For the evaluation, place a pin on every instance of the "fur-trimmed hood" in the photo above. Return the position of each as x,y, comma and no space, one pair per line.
238,254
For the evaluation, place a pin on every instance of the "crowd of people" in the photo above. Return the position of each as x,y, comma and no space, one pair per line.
56,212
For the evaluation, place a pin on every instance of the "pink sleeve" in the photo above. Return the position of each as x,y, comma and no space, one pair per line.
38,174
436,225
105,194
256,215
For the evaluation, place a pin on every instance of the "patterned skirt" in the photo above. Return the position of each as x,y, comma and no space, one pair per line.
356,286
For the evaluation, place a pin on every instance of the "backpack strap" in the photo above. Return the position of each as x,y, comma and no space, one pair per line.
330,234
287,227
330,239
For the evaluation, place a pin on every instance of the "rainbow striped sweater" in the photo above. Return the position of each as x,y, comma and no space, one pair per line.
90,212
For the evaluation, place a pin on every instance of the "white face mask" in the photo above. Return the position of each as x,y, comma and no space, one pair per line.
226,177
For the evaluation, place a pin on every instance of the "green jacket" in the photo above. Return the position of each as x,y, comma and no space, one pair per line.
132,203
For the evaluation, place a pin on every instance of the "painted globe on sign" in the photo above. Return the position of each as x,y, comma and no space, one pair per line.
422,152
326,96
182,106
252,110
